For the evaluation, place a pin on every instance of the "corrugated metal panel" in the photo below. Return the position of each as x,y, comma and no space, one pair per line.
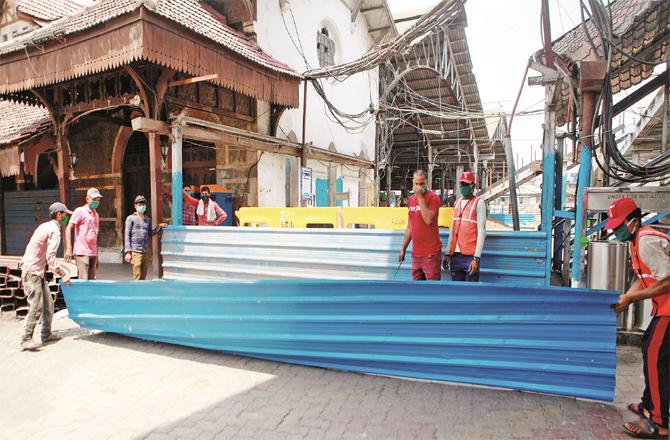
268,253
548,340
24,210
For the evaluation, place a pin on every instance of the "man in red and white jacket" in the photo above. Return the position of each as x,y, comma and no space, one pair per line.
650,258
468,232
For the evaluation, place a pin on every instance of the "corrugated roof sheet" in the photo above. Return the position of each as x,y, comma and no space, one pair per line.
20,121
48,10
547,340
187,13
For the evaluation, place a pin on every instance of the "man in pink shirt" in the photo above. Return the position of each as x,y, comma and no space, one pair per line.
86,224
207,211
40,254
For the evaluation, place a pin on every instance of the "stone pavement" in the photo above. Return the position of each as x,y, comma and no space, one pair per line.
104,386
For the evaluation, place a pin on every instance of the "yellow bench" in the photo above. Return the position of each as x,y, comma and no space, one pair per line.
380,218
268,217
303,217
288,217
445,218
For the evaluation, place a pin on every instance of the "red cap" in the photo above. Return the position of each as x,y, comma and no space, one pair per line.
618,211
467,177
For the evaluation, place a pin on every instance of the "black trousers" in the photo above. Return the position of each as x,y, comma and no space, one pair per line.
656,354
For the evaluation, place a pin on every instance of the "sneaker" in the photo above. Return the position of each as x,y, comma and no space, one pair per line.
51,338
29,345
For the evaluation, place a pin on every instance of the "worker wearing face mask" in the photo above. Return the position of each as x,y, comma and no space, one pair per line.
468,232
86,225
207,211
137,233
40,254
422,231
650,258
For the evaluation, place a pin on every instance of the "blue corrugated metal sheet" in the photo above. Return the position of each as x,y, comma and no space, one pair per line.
268,253
548,340
24,210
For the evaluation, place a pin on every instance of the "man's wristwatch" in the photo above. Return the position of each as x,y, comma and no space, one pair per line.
476,259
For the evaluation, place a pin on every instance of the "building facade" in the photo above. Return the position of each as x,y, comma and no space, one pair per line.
225,66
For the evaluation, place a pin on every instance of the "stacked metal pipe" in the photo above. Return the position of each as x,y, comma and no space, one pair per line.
12,296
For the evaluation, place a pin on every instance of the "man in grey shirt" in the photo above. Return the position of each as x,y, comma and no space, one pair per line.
138,231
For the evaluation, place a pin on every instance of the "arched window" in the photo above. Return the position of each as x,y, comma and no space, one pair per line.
325,48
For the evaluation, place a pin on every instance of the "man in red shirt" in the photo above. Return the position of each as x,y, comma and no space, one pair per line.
422,231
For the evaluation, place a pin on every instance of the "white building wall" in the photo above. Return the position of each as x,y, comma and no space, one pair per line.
272,181
352,95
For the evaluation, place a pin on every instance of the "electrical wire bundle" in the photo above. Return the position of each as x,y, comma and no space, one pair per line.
614,164
441,15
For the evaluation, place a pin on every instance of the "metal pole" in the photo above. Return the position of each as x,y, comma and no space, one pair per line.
546,28
177,176
303,159
558,201
389,169
304,124
583,181
548,170
511,176
431,165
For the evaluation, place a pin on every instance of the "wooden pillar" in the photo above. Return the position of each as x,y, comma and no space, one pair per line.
156,202
63,156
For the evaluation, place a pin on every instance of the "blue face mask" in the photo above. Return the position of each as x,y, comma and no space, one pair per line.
621,233
466,190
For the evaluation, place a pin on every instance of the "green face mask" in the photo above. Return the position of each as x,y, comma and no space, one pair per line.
141,208
94,205
621,233
466,190
64,220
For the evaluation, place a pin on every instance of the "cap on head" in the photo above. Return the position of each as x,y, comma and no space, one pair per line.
57,207
140,199
93,193
467,177
618,211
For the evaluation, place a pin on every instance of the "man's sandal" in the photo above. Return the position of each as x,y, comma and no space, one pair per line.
644,428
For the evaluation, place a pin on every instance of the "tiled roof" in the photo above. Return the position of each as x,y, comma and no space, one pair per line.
640,27
187,13
48,10
20,121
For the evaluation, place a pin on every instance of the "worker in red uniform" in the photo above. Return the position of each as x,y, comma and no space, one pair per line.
650,258
468,232
422,231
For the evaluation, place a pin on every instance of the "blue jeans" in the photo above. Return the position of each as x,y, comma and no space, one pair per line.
459,265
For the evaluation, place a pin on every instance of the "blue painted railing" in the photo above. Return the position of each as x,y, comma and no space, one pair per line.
547,340
271,253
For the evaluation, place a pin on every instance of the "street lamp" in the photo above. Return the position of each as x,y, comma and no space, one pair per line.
165,149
